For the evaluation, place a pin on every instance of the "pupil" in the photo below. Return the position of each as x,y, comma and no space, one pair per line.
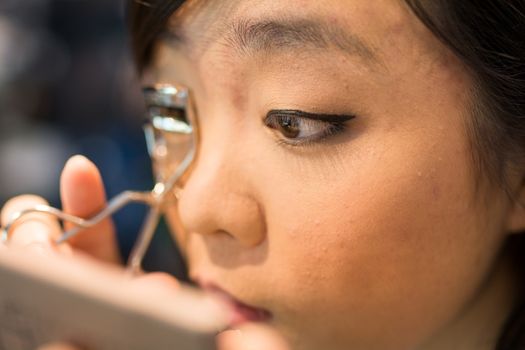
289,127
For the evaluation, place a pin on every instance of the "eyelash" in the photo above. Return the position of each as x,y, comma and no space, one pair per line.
333,125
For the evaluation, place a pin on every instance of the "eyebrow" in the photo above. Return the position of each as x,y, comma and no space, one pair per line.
277,35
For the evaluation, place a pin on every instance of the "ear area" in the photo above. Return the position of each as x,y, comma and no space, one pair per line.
516,218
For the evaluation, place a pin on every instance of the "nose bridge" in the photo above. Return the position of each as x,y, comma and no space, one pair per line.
216,196
216,159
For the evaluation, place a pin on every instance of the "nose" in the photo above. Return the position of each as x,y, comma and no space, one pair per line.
216,196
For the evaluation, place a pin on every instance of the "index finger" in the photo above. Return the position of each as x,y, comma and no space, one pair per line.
32,228
58,346
251,337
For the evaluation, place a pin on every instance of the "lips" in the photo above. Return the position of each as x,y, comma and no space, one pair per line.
239,312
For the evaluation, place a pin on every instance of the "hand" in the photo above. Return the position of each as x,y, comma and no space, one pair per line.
57,346
82,194
250,337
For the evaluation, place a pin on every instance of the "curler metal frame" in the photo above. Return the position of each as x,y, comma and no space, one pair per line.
161,95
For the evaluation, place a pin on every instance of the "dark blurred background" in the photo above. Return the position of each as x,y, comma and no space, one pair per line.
68,86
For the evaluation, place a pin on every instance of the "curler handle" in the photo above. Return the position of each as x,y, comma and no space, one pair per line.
143,241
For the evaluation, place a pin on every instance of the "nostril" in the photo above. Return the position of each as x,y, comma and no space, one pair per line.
225,234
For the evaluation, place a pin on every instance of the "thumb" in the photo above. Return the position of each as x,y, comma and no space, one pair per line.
82,193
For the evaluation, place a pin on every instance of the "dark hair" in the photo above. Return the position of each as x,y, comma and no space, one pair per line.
147,21
489,38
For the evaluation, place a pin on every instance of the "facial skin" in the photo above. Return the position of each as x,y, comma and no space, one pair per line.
371,238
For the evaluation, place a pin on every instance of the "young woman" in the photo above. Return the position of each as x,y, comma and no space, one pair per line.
360,181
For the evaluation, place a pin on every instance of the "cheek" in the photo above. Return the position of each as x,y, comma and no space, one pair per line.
391,234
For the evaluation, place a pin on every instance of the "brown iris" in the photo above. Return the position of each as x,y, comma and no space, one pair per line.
299,127
288,126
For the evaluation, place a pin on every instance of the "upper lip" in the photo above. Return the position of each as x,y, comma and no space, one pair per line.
216,290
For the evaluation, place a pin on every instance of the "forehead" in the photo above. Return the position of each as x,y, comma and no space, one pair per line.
367,29
381,39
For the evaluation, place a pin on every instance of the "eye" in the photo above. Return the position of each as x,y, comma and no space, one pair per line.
296,127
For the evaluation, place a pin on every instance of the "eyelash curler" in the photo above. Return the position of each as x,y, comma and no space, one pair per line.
172,138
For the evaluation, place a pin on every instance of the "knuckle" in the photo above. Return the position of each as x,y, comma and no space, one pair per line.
19,203
31,227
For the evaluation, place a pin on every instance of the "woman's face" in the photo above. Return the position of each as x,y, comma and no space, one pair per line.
333,185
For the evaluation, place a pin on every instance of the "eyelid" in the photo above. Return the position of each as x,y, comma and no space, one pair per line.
329,118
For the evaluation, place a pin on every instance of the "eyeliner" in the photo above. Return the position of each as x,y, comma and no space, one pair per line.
331,118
